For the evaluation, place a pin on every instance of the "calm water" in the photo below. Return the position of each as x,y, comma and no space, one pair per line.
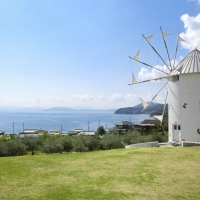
67,121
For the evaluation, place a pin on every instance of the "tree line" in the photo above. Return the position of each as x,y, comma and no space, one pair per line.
58,144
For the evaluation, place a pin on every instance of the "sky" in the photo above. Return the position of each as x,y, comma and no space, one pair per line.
74,53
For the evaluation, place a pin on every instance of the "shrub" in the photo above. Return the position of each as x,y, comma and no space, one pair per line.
51,146
79,145
111,142
32,143
15,147
3,149
67,144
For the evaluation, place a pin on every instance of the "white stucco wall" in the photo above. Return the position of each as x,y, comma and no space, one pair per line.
185,90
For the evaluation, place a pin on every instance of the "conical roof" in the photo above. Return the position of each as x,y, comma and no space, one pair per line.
190,64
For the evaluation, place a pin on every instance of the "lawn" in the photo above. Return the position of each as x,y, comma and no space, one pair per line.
145,173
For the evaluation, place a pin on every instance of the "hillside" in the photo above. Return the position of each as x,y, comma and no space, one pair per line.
152,109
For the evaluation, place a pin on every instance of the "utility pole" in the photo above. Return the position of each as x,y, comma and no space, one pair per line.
13,127
61,128
88,126
99,122
23,126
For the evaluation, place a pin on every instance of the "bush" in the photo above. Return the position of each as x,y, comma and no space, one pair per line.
32,143
111,142
15,147
3,149
78,145
51,146
67,144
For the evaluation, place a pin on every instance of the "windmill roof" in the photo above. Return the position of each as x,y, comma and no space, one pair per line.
190,64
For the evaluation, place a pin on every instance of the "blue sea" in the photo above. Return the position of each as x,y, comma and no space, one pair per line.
14,122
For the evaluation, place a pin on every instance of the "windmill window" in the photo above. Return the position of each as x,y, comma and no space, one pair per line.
175,127
179,127
175,78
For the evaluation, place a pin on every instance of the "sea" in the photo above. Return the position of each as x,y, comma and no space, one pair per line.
17,121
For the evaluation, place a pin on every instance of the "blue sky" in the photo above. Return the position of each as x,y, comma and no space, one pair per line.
74,53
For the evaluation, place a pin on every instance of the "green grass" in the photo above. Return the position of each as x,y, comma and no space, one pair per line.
148,173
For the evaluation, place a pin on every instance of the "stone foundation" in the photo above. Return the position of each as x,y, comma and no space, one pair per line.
143,145
190,144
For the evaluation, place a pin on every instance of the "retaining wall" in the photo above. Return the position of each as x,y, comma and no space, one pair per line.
142,145
190,144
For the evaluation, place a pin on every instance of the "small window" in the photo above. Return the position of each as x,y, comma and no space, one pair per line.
175,127
179,127
175,78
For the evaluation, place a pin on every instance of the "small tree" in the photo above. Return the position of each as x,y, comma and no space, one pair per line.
32,143
15,147
67,143
3,149
101,131
51,146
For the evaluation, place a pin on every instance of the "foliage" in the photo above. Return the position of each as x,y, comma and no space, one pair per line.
111,141
32,143
51,146
67,143
15,147
101,131
85,143
3,149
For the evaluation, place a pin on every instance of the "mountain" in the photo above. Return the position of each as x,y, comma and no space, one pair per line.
152,109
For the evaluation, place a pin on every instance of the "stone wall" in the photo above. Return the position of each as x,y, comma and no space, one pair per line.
142,145
190,144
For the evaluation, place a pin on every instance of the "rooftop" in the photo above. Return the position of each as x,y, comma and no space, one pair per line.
190,64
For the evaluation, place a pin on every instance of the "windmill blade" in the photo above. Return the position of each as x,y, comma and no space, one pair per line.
154,79
163,35
160,117
136,57
148,65
148,38
145,105
134,81
179,39
156,52
158,92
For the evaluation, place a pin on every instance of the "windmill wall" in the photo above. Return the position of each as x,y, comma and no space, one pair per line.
184,107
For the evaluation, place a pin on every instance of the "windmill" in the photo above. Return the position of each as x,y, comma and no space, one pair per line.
183,92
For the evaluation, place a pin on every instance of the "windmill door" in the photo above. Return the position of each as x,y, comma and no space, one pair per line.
176,132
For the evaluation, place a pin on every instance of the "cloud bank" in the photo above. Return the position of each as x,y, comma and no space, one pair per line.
192,31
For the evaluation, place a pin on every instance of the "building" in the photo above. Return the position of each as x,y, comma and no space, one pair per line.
122,127
29,133
54,132
41,132
77,132
147,124
2,133
87,133
184,99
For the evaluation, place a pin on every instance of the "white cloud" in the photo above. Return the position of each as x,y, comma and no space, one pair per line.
102,97
82,97
146,74
131,97
117,97
192,32
198,1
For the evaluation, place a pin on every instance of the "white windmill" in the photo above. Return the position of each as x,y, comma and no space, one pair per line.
183,83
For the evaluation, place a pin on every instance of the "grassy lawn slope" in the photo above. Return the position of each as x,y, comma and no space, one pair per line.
148,173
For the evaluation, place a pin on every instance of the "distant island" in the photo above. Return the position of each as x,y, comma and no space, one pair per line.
152,109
